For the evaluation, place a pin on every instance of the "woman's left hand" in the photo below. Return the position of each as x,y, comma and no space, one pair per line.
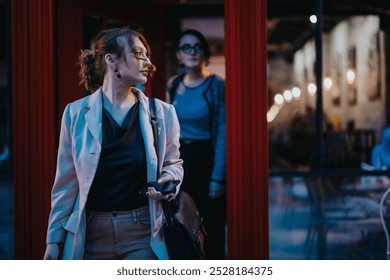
216,190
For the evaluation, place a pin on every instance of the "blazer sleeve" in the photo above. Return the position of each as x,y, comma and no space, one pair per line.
172,163
219,170
65,188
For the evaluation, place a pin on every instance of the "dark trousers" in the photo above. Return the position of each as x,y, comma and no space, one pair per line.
198,164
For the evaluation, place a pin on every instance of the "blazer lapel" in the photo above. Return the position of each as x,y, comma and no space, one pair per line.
94,115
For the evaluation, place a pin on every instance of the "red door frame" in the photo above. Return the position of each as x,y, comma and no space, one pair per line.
247,130
45,79
34,122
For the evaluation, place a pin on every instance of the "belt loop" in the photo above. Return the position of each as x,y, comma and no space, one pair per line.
134,216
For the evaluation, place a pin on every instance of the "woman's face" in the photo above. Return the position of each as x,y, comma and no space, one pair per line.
190,52
134,64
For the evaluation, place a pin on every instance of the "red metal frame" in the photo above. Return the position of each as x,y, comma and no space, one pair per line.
247,143
34,122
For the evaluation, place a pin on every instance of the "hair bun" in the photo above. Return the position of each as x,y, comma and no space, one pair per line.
89,77
87,57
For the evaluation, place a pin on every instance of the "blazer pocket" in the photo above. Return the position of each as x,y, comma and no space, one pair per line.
70,224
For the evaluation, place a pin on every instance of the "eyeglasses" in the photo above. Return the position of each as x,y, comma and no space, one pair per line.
187,48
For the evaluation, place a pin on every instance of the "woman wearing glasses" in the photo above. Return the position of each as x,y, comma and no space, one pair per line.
106,156
199,99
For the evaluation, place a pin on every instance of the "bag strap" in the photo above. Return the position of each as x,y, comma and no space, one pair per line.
153,121
168,213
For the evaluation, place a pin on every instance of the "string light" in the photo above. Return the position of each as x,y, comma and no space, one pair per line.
270,117
296,92
312,89
328,84
272,113
279,99
350,76
287,95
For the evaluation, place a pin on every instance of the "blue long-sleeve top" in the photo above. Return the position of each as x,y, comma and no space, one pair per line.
201,114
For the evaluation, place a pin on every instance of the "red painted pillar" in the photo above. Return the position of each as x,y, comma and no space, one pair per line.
69,43
34,123
247,140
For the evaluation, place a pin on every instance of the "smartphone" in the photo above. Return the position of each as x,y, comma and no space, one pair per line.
166,188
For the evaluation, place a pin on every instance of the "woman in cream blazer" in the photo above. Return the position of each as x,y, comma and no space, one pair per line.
80,142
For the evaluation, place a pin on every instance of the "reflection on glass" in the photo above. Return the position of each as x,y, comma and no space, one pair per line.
328,218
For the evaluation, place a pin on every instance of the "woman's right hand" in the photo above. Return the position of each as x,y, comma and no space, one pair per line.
153,193
52,251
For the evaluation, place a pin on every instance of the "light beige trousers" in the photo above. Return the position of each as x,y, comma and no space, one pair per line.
118,235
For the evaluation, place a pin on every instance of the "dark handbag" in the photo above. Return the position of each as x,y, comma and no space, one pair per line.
183,226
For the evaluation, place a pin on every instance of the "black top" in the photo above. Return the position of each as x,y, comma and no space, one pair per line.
121,172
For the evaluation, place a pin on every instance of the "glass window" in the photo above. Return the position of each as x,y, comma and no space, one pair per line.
327,140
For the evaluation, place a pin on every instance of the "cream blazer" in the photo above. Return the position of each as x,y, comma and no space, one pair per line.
77,161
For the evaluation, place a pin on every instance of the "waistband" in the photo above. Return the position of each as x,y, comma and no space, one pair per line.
118,214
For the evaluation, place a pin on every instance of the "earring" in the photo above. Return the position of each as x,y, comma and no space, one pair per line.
117,72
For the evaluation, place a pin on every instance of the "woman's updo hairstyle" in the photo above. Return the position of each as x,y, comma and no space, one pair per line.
113,41
202,39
